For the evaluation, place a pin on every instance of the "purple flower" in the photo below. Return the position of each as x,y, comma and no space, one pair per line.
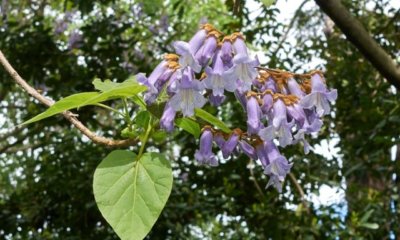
155,81
248,149
214,79
167,118
205,155
186,56
280,127
75,39
226,52
241,97
239,45
216,100
268,102
262,153
206,52
319,96
294,88
231,143
188,96
277,168
243,70
197,40
253,115
219,139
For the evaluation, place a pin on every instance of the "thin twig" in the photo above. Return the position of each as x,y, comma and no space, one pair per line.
255,179
289,27
67,114
300,190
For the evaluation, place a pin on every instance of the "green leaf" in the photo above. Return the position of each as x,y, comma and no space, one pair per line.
268,3
370,225
131,194
142,119
189,125
211,119
104,86
127,88
70,102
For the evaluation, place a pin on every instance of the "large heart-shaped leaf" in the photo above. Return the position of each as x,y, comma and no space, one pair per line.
131,194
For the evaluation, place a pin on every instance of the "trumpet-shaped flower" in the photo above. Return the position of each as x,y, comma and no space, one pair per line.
188,96
319,96
205,155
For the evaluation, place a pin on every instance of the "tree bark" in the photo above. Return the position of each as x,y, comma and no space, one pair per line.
361,39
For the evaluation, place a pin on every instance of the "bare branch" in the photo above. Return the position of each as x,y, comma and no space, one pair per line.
362,40
67,114
288,28
300,190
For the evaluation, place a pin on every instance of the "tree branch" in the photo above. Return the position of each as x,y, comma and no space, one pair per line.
67,114
361,39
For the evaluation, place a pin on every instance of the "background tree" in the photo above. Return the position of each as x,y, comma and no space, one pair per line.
47,167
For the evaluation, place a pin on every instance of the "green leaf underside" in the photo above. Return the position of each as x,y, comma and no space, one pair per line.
131,194
189,126
128,88
211,119
70,102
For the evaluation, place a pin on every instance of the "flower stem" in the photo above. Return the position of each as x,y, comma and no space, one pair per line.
145,139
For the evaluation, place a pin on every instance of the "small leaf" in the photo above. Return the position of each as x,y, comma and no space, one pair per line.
370,225
211,119
70,102
189,126
131,194
268,3
104,86
126,133
142,119
127,88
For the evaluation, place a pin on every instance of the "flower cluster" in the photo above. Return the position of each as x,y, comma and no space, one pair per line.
281,107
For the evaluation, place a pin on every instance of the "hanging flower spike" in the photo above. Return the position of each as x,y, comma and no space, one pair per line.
214,80
231,143
319,96
205,155
280,127
244,68
278,167
188,96
167,118
253,114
